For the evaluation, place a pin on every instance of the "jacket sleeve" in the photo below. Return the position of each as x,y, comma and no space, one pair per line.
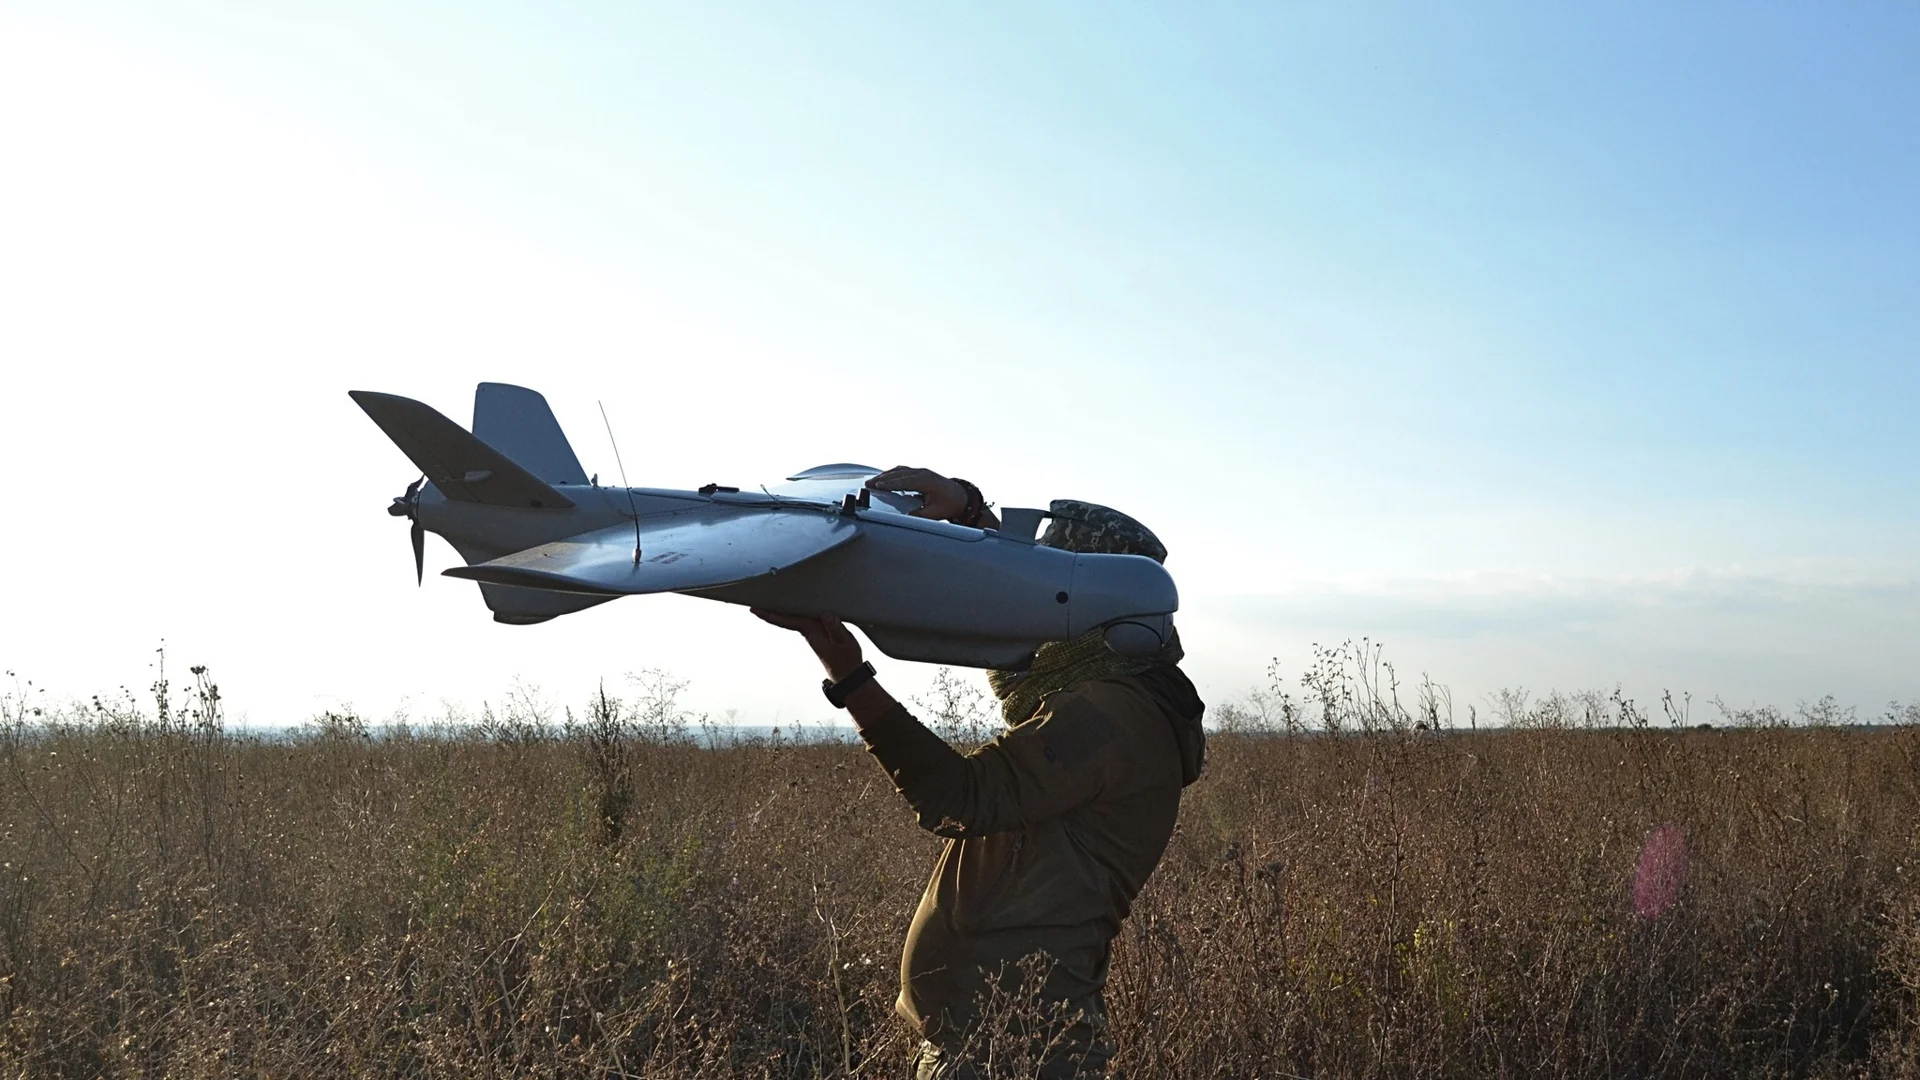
1038,770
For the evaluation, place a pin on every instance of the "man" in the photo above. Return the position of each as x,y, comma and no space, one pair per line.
1052,828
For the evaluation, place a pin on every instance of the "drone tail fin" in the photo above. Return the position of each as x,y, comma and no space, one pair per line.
518,422
461,465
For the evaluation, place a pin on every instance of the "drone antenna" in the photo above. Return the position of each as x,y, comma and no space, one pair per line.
623,480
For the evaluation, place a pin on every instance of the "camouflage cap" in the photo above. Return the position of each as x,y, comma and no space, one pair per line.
1092,529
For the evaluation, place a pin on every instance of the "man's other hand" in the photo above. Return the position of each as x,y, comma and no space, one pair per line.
831,641
941,499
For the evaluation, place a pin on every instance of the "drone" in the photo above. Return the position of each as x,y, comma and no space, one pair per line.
543,539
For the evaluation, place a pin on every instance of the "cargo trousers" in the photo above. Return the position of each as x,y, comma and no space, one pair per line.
1082,1051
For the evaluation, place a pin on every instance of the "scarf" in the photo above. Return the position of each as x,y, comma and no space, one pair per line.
1060,665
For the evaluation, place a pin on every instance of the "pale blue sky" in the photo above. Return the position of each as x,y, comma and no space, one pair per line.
1554,348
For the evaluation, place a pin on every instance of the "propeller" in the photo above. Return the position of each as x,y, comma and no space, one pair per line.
408,506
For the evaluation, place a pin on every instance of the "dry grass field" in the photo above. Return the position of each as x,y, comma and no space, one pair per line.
595,893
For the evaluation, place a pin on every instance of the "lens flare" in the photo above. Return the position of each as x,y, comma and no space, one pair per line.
1661,873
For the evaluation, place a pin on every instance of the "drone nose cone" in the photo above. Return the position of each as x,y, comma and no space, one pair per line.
1109,587
399,507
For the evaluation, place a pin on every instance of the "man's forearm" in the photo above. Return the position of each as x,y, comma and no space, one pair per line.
869,702
931,775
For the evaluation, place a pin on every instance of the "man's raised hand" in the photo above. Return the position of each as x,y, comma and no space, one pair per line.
941,499
831,641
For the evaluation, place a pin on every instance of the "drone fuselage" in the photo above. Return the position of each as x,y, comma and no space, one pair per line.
922,590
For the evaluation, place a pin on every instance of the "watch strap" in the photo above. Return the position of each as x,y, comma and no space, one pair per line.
837,691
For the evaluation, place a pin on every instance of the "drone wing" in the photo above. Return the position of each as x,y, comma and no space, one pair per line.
686,550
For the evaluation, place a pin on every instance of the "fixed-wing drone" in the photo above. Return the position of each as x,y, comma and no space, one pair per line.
543,539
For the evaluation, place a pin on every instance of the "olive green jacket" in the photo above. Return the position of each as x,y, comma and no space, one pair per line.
1052,828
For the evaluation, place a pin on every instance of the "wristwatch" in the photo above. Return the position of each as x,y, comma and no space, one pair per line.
837,691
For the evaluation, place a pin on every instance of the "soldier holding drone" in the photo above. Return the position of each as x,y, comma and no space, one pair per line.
1052,828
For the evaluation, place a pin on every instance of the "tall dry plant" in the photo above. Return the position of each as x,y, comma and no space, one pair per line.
1380,893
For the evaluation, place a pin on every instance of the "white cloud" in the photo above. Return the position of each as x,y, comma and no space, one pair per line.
1780,635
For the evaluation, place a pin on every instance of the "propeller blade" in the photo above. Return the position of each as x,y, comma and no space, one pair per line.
408,506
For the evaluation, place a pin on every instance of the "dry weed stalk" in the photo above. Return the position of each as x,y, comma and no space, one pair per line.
607,896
